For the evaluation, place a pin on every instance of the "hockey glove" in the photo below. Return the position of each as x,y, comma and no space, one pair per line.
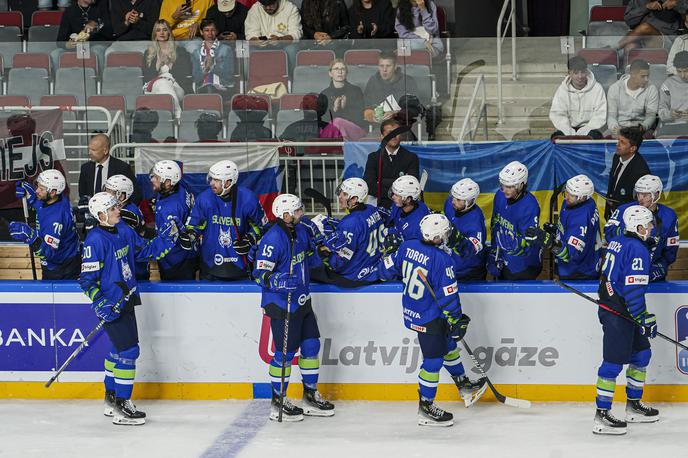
494,264
657,271
22,232
385,213
326,224
243,245
106,312
391,242
455,238
334,242
284,282
188,240
648,324
131,219
458,328
24,189
550,228
536,236
251,256
169,232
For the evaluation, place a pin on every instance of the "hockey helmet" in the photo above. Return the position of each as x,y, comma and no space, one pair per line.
101,203
52,180
580,186
167,170
406,186
466,190
121,186
637,215
354,187
648,184
514,174
223,171
286,203
435,225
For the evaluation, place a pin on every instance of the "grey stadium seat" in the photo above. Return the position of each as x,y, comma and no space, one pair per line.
71,81
604,74
42,38
605,34
360,74
32,82
310,78
10,43
126,81
187,124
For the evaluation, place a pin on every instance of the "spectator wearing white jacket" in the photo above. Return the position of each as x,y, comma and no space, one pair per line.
673,96
274,24
632,101
579,106
680,44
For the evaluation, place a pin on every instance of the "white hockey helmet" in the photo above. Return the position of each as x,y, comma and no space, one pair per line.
101,203
167,170
354,187
286,203
223,171
435,225
52,180
580,186
406,186
514,174
648,184
637,215
121,186
466,190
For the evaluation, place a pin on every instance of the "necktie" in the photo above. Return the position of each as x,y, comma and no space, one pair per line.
99,179
616,174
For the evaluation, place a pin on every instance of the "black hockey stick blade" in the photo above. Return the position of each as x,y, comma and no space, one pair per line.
319,198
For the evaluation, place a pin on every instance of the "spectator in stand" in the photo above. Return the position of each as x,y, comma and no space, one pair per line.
680,44
417,21
166,66
208,127
229,17
143,123
184,18
627,166
47,5
673,95
345,101
213,62
632,101
650,21
385,88
313,106
275,24
251,111
579,106
371,19
85,20
324,21
133,20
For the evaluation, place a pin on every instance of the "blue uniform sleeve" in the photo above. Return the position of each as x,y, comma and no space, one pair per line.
53,226
91,269
615,225
446,288
351,235
578,236
197,218
268,258
257,219
669,250
635,280
389,266
312,257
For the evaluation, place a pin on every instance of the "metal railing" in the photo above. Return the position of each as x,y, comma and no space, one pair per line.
501,34
467,127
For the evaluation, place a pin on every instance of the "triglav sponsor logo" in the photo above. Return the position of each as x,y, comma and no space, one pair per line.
681,319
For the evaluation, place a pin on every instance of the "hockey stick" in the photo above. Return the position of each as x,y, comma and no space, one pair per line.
513,402
75,353
616,312
320,198
423,179
26,220
286,336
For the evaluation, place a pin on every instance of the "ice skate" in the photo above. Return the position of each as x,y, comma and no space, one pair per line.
637,412
315,406
290,412
125,413
606,423
109,408
431,415
470,391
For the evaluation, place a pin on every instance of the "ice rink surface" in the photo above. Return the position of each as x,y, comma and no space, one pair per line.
359,429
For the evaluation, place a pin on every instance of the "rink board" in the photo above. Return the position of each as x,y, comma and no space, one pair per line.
210,341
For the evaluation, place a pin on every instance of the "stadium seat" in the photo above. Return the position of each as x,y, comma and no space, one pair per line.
267,67
112,103
650,55
11,19
442,22
607,13
163,104
203,102
320,58
187,124
32,82
59,100
362,64
291,110
42,38
14,101
124,81
605,56
311,73
605,34
658,73
417,57
70,128
249,102
46,18
124,59
31,60
70,60
10,43
71,80
606,75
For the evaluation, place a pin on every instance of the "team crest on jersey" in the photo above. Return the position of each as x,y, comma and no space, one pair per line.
225,238
126,271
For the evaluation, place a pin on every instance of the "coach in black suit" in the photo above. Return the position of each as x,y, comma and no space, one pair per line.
102,166
627,166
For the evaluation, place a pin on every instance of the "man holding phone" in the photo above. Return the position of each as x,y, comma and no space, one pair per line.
229,17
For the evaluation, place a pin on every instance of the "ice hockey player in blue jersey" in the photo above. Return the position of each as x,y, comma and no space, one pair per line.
664,241
439,323
173,201
514,210
406,212
284,258
54,240
353,262
122,188
625,276
107,278
229,220
575,241
468,236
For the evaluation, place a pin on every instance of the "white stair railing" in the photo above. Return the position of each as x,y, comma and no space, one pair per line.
480,112
501,34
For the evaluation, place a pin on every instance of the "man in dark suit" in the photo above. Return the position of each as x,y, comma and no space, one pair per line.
388,163
102,166
627,166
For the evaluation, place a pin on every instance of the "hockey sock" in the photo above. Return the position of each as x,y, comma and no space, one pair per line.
429,377
606,384
309,364
110,361
453,364
276,372
635,374
125,372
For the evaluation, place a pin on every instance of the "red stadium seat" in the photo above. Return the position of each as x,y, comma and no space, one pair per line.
256,102
58,100
607,13
442,21
321,58
31,60
11,19
163,102
295,102
70,60
361,56
14,101
110,102
267,67
46,18
211,102
604,56
650,55
418,57
124,59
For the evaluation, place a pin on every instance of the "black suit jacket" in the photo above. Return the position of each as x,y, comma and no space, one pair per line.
87,177
623,192
403,163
